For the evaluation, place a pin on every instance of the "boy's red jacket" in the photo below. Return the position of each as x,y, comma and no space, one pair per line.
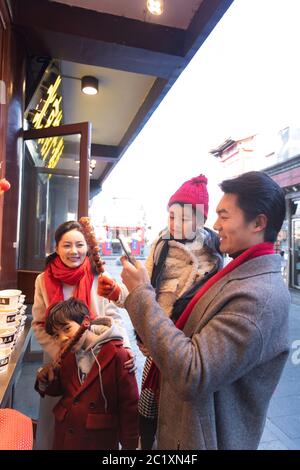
81,421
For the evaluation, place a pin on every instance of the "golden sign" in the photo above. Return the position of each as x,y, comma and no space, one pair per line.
50,115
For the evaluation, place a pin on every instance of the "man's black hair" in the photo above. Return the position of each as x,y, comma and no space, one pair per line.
257,193
62,312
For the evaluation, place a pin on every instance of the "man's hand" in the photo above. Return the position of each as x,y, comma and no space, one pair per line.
108,288
46,374
133,275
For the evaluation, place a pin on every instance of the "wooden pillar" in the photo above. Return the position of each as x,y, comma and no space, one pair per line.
12,71
4,54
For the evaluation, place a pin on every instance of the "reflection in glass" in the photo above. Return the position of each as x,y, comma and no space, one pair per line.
50,186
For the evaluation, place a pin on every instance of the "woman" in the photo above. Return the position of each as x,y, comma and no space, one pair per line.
69,273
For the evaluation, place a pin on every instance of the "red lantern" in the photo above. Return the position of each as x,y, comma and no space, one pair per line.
4,184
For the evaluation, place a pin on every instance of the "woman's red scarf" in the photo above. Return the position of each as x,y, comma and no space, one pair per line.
57,273
266,248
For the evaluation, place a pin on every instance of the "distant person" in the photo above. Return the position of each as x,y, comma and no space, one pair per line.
181,260
223,358
98,408
69,273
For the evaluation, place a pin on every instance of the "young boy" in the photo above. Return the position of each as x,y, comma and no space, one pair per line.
98,408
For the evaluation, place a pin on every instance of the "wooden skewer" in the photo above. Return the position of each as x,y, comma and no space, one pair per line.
71,343
56,364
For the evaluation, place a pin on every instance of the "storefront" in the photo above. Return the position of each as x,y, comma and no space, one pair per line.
44,151
287,175
279,157
55,171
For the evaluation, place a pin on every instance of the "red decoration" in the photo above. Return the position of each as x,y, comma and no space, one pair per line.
4,184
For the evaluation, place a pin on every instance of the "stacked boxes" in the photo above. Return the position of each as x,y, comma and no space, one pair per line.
12,321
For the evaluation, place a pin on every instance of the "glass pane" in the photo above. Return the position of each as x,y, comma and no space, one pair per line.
282,248
296,253
50,187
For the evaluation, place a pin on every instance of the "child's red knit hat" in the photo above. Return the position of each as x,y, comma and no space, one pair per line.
193,191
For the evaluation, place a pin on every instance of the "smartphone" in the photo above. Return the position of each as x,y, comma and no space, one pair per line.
126,248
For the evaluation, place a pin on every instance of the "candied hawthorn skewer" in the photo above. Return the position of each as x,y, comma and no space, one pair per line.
92,243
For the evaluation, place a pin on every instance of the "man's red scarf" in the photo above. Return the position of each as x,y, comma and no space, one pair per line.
57,273
261,249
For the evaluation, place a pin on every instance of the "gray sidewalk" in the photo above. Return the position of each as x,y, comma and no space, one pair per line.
282,430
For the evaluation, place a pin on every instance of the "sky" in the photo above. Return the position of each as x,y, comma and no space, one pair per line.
244,80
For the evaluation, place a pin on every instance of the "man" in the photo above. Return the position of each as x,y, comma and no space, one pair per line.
222,360
181,260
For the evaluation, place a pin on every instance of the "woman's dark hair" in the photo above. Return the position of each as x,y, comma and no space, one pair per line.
258,194
60,231
62,312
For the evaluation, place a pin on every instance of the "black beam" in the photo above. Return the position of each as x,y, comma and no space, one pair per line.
84,36
107,153
205,19
104,175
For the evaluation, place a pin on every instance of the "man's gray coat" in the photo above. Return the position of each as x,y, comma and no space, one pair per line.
219,374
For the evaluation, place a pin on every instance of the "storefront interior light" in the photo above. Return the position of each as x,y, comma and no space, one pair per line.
155,7
89,85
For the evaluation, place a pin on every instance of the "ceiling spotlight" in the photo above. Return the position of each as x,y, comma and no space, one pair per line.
155,7
89,85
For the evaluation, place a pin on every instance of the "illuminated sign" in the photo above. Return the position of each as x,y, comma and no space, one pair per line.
50,115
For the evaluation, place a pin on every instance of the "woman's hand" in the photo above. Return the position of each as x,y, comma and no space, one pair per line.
130,364
108,288
133,275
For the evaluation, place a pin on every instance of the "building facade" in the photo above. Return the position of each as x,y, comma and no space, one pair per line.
279,156
49,135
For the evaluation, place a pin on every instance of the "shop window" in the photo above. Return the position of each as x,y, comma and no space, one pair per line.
281,247
296,253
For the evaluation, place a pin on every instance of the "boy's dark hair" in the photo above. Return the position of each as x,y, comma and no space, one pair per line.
62,312
258,194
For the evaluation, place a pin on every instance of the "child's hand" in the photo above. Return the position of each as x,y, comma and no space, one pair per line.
46,374
130,364
108,288
143,349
